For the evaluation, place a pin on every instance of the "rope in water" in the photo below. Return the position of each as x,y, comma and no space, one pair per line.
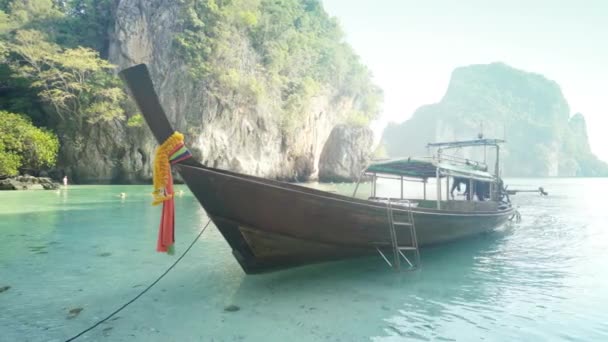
145,290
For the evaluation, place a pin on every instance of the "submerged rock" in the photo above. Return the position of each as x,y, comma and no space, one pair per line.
38,249
74,312
106,331
232,308
4,288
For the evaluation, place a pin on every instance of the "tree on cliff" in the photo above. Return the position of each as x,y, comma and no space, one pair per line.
24,146
74,84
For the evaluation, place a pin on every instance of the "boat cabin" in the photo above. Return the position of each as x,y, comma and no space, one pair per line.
483,188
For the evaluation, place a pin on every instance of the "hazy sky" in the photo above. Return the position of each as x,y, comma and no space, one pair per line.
413,46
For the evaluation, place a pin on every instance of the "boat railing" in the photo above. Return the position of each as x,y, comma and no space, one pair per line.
462,161
395,177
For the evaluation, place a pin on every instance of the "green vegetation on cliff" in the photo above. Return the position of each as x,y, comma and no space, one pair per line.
23,146
298,50
74,83
51,66
527,108
51,69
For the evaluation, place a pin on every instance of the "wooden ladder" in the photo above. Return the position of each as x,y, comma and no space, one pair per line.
396,248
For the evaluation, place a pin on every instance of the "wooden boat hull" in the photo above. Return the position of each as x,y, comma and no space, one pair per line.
272,225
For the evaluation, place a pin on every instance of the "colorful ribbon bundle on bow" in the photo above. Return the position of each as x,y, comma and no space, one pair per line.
170,152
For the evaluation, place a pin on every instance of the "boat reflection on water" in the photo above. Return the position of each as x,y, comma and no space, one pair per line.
455,278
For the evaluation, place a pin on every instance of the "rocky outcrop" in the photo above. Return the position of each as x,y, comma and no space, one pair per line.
347,151
578,160
247,139
28,183
106,153
527,109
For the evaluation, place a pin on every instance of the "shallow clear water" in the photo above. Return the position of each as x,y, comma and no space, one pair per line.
541,280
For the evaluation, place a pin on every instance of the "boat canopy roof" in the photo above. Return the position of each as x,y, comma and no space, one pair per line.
467,143
427,168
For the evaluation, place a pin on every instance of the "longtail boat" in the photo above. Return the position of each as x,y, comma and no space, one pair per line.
272,224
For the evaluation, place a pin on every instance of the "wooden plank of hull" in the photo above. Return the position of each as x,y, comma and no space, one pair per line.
259,251
274,251
271,224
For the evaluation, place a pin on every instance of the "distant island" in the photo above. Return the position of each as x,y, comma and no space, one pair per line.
529,110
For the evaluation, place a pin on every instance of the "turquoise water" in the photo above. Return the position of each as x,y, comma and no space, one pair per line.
541,280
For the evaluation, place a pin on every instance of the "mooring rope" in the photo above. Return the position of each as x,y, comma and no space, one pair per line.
145,290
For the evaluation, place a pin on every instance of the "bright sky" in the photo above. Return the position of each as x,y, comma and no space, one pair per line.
413,46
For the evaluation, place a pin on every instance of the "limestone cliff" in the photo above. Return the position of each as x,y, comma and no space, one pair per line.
256,87
107,153
244,138
527,109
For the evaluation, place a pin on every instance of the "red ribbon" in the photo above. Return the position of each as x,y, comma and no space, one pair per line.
166,231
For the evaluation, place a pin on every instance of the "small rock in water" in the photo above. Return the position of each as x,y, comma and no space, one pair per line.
4,288
104,254
232,308
106,331
74,312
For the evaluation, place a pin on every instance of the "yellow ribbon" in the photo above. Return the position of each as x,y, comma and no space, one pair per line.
162,167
